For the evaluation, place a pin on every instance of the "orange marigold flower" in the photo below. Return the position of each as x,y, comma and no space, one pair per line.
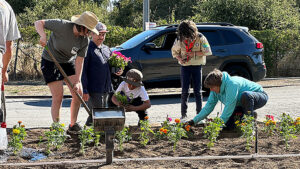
165,131
267,123
177,120
23,125
274,122
19,122
161,129
187,128
146,118
243,124
297,123
298,119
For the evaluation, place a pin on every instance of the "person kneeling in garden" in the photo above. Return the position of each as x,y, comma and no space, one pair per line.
132,95
238,94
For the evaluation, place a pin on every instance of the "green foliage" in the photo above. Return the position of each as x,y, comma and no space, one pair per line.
123,136
87,136
212,131
297,125
278,44
123,99
176,132
63,9
257,15
117,35
55,137
146,131
19,5
247,128
287,128
270,126
18,135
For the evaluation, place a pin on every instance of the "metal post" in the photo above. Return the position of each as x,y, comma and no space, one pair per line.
16,60
146,16
109,142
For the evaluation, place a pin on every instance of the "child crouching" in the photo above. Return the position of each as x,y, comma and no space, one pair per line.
133,88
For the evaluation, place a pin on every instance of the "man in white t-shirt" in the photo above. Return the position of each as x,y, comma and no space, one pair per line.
8,33
132,86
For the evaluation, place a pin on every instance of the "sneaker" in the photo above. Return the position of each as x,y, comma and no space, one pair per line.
74,129
89,121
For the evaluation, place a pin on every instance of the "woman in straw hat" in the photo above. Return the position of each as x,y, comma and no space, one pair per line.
68,43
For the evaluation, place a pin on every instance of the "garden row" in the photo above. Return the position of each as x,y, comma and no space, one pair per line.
172,131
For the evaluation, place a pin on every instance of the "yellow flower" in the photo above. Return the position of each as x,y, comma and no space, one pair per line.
177,120
22,125
16,131
274,122
298,123
237,122
298,119
267,123
62,124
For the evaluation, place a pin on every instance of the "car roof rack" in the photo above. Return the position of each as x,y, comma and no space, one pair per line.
216,23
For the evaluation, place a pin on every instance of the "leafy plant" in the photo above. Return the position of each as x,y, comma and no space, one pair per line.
18,135
123,136
55,137
176,132
163,131
212,131
123,99
146,131
247,128
297,125
86,136
117,59
270,125
287,129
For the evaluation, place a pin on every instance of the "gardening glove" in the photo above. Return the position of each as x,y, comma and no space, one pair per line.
191,123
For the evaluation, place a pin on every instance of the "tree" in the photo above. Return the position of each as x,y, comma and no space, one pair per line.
19,5
257,15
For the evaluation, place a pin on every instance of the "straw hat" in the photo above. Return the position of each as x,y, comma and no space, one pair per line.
87,19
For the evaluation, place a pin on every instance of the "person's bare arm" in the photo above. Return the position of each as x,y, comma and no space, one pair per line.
6,59
40,29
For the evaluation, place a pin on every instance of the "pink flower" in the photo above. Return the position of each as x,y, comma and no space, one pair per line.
270,117
169,118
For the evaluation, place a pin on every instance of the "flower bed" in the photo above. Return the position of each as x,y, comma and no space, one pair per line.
229,143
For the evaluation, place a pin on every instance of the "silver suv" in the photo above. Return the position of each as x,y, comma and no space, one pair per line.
234,50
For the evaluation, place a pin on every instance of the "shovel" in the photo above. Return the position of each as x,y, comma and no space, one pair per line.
68,80
3,134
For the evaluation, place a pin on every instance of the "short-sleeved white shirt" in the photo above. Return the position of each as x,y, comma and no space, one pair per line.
8,25
137,92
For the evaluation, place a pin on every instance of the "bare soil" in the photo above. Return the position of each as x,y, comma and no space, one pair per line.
228,144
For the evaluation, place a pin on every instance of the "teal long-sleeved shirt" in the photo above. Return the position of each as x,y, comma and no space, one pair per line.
230,94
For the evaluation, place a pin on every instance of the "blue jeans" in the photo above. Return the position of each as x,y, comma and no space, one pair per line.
250,102
189,73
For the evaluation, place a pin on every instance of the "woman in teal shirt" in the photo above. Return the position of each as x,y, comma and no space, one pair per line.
236,93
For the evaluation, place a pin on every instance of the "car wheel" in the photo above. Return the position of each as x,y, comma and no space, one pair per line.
237,70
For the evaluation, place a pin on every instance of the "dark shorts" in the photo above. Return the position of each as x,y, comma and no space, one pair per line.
51,72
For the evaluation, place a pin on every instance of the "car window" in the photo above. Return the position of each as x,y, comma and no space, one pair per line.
213,37
231,37
134,41
165,41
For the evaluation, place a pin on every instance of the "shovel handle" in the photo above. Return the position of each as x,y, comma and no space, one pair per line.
68,80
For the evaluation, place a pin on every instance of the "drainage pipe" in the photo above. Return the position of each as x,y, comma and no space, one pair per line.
250,156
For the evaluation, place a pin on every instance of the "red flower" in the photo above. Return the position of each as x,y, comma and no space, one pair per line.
3,125
270,117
